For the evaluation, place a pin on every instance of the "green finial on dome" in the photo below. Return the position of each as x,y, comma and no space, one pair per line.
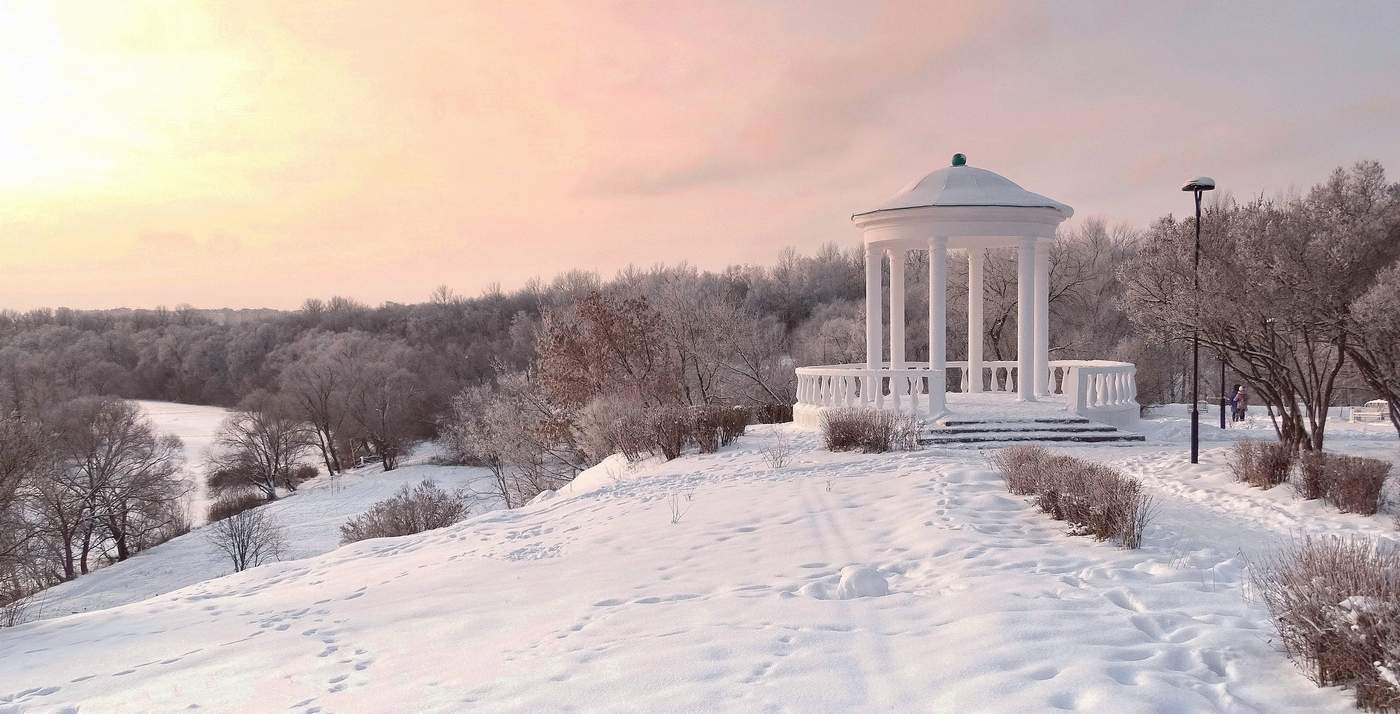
959,160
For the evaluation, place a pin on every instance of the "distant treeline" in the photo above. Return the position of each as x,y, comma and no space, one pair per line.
809,308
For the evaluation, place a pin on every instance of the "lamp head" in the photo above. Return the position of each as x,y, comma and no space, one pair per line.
1200,183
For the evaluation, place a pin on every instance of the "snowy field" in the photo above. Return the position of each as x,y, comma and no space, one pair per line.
715,583
311,517
196,426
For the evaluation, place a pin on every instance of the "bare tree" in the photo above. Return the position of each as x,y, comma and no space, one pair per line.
248,539
1375,339
262,442
1277,281
21,452
316,385
118,480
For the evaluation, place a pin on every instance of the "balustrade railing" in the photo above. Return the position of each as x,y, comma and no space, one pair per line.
1100,390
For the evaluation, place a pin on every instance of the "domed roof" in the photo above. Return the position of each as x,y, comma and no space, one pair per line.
963,185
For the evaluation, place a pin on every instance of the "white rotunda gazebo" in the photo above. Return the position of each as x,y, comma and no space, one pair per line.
967,209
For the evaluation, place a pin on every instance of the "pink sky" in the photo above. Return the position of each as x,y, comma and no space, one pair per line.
231,154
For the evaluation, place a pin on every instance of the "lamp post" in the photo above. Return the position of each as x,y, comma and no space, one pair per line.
1197,185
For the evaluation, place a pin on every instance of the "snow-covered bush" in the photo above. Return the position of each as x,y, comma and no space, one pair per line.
233,503
423,508
249,539
1353,483
1336,604
873,431
1260,463
1093,498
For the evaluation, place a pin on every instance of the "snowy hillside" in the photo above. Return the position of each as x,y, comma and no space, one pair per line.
312,518
715,583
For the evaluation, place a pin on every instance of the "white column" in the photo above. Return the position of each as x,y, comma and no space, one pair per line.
896,307
1042,317
1025,320
873,314
975,296
937,324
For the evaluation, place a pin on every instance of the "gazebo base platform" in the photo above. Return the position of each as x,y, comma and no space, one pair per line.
1000,419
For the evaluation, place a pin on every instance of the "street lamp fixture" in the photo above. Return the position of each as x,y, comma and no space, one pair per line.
1197,185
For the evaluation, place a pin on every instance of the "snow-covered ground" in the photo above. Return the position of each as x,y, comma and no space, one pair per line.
196,426
311,518
716,583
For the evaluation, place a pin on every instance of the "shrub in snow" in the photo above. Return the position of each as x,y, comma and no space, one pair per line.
423,508
1336,605
873,431
233,503
777,452
609,425
249,539
1021,466
1353,483
1310,480
773,413
305,472
670,429
715,425
1093,498
1262,464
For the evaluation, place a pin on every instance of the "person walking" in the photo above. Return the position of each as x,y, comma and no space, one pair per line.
1240,400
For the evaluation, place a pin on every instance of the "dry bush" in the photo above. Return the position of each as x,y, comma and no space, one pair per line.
304,473
1353,483
1093,498
1261,464
233,503
705,425
670,430
871,431
772,413
18,607
1020,467
778,452
176,523
609,425
249,539
423,508
1310,481
732,423
715,425
1336,605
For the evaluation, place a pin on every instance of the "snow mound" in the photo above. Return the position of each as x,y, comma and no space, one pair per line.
861,581
854,581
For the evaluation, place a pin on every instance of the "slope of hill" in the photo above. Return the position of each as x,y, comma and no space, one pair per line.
311,518
716,583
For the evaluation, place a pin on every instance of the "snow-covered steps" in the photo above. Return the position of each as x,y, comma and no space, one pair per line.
982,433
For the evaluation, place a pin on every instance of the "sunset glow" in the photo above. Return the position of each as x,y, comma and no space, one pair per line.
254,154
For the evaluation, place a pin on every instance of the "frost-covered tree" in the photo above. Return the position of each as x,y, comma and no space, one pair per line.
1277,281
1375,341
116,482
261,442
